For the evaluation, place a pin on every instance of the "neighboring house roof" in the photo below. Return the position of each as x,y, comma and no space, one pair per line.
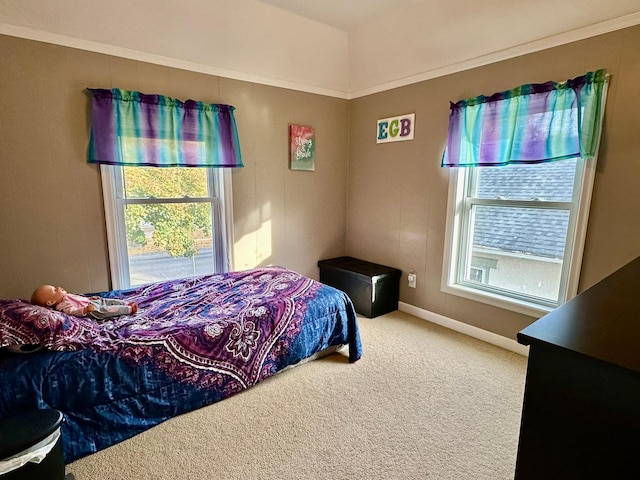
525,231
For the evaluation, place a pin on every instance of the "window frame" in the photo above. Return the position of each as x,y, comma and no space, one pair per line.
459,206
115,201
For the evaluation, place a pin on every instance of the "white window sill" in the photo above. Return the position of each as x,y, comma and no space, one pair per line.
519,306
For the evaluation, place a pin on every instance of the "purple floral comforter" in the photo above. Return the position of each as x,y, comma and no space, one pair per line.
191,343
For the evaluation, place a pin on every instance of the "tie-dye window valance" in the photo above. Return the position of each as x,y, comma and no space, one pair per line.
533,123
134,129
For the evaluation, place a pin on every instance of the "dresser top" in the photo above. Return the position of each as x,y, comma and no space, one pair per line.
602,322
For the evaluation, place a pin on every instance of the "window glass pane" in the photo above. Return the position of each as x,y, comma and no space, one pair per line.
168,241
519,250
144,182
544,181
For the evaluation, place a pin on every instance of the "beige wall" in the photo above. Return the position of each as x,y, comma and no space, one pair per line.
51,214
398,192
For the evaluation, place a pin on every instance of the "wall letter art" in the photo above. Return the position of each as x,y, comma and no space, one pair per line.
396,129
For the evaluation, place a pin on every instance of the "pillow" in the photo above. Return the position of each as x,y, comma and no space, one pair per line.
22,323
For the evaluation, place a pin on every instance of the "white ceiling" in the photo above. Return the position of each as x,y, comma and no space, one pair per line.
341,48
396,42
457,15
345,15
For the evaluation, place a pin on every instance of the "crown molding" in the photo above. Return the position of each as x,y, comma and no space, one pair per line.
524,49
543,44
97,47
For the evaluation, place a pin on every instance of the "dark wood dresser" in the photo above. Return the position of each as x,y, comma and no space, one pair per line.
581,411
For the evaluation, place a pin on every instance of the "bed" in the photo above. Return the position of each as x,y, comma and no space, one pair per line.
193,342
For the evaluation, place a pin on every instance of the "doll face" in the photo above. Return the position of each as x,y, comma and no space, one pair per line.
49,295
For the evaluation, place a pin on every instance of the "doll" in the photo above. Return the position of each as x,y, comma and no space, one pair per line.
79,305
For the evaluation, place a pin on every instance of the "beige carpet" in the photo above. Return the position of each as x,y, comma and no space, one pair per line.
424,402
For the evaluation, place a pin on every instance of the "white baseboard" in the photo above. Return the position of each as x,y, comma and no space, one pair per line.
475,332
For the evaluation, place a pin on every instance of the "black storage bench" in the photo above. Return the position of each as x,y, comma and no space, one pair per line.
373,288
25,431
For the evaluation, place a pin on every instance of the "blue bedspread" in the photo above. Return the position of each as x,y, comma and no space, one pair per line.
193,342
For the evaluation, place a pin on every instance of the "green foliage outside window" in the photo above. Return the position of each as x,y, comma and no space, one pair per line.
176,226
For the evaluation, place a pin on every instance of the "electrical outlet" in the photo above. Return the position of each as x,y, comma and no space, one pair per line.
412,279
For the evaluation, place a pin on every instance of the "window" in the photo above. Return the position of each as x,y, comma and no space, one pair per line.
477,274
522,171
166,223
165,183
516,234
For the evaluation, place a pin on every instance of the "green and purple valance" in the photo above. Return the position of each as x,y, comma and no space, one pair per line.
533,123
134,129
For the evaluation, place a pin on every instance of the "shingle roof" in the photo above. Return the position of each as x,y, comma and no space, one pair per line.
525,230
